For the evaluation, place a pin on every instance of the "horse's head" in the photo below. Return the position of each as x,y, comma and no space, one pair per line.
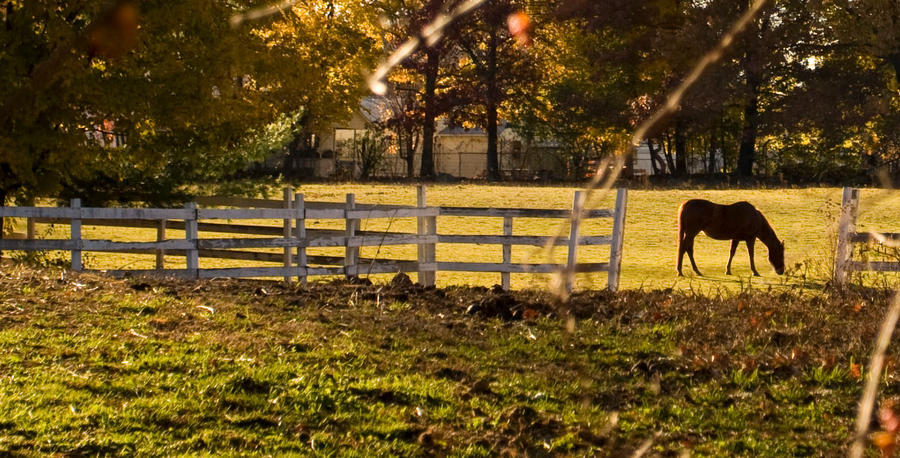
776,257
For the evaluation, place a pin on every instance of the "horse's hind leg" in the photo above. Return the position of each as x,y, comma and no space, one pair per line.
734,244
750,244
686,245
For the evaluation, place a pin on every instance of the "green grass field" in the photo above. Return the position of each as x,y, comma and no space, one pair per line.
96,366
804,218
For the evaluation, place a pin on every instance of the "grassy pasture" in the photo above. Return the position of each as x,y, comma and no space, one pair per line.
95,366
804,218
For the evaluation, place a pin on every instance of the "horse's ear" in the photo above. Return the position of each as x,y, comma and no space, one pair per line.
782,243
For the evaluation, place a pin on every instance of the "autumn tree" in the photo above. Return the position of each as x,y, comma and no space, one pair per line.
857,69
649,47
316,54
194,93
405,119
47,80
159,76
599,76
424,71
493,66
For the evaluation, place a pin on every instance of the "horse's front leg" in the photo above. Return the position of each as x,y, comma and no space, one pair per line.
734,244
750,244
689,243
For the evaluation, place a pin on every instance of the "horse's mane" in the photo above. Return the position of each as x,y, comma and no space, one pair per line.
766,233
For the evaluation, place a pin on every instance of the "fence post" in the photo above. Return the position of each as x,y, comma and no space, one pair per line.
300,235
288,226
190,234
846,230
351,257
30,232
507,251
618,238
161,237
426,225
572,259
75,226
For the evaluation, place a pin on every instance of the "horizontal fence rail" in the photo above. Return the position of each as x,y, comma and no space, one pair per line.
289,240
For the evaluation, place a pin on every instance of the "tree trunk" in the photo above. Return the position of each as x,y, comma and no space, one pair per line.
493,162
410,156
629,163
753,71
431,74
400,146
722,145
2,227
894,59
655,160
680,149
666,145
747,152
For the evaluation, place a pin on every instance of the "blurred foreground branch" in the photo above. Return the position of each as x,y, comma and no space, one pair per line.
429,35
876,364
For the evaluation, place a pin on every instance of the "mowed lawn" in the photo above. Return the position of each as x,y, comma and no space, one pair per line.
804,218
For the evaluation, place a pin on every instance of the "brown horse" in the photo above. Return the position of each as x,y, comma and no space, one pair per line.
736,222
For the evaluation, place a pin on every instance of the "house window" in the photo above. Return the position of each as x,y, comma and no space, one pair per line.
312,141
343,138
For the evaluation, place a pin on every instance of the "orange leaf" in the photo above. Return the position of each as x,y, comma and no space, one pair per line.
886,442
855,370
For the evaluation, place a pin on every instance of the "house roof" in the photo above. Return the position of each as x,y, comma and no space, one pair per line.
374,108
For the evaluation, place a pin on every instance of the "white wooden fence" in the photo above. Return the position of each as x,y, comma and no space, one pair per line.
293,237
848,236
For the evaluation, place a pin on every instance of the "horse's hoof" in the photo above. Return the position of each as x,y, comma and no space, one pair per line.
756,275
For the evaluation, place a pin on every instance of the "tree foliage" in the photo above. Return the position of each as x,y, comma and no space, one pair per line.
809,90
193,95
422,79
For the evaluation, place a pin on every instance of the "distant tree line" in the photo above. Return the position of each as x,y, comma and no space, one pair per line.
809,91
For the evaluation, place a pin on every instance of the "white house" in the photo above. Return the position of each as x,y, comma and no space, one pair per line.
460,152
